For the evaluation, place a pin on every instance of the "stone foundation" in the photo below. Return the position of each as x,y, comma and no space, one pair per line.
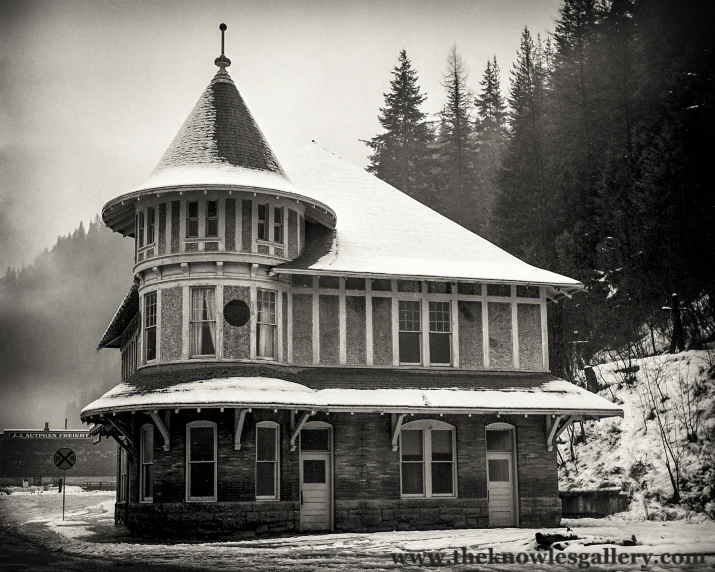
540,512
419,514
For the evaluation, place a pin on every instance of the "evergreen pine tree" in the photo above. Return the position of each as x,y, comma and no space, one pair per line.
521,216
400,153
490,136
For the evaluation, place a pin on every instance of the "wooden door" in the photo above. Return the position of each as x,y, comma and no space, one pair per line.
315,491
500,489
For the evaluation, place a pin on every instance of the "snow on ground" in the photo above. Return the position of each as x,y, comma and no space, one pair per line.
88,531
629,453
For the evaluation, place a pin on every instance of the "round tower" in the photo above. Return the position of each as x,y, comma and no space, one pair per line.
215,215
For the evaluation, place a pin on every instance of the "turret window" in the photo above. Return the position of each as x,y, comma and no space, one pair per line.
266,324
211,218
150,326
140,229
192,219
150,224
263,222
203,322
278,224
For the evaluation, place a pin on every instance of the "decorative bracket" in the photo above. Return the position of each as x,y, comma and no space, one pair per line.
296,431
162,428
121,435
556,427
239,420
396,430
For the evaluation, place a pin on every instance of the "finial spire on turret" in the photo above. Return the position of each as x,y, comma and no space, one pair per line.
222,61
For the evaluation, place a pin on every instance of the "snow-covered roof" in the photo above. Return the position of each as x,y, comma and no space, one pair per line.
219,143
551,396
382,231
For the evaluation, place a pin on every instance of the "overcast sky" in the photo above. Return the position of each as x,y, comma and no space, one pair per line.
92,92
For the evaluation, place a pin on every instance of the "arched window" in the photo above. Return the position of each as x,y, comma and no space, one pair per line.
268,438
146,465
201,461
428,453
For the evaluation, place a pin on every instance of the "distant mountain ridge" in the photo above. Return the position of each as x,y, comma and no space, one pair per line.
52,315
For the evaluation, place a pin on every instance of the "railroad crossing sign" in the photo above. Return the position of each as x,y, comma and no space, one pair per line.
65,459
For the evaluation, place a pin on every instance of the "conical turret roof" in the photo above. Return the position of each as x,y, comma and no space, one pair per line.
219,143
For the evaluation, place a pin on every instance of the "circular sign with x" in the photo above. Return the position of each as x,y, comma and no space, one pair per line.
65,459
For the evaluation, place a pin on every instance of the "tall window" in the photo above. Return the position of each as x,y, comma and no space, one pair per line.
150,326
146,475
123,475
201,461
440,336
267,451
150,224
211,218
203,321
140,229
428,459
410,329
266,324
192,219
278,224
263,222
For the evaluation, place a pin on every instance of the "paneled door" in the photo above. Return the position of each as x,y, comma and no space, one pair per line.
500,488
316,478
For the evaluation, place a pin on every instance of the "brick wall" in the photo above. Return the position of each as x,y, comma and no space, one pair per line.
366,477
27,458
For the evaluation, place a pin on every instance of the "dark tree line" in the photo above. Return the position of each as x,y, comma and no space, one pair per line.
53,313
596,163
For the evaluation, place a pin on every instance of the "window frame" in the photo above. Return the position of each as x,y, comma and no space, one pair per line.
140,229
262,224
150,225
276,462
150,327
427,426
190,219
123,481
418,304
278,228
189,462
448,333
274,326
208,219
192,321
143,464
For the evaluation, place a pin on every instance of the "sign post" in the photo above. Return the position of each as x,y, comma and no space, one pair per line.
64,459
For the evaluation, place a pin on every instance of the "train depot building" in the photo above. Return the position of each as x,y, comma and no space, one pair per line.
310,349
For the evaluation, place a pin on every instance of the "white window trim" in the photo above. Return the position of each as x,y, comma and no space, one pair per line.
189,426
450,333
426,426
420,332
277,463
142,498
276,339
215,321
145,328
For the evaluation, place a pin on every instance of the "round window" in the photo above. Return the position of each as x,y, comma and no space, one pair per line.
236,313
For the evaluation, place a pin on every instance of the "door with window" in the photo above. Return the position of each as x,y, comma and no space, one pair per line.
501,481
316,477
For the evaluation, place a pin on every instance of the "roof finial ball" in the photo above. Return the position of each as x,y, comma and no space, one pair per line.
222,61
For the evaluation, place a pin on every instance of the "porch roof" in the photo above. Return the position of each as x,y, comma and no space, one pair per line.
543,397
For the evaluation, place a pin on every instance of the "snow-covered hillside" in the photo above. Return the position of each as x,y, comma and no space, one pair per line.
669,406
